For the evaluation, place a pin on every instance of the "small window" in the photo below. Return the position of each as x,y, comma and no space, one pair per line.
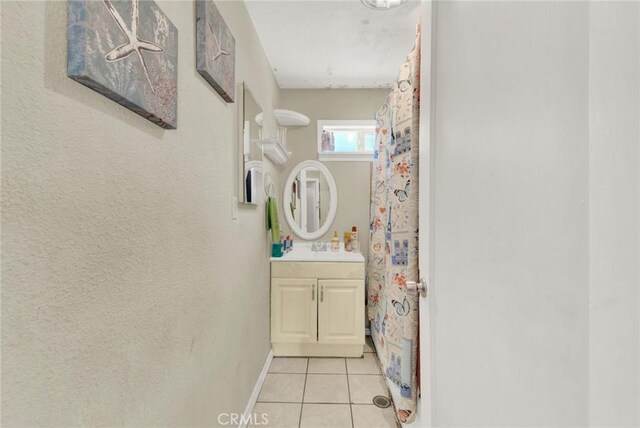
346,140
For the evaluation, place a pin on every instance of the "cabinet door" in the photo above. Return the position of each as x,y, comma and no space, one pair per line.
341,311
294,310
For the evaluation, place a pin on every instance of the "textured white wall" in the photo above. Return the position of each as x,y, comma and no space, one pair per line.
614,214
353,179
511,214
126,293
537,189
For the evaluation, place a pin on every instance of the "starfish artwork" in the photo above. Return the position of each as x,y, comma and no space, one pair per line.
219,51
126,50
215,50
135,44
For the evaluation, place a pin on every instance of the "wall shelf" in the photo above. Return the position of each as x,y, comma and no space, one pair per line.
274,149
290,118
286,118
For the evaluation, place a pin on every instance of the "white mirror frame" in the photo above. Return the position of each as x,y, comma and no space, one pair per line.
333,203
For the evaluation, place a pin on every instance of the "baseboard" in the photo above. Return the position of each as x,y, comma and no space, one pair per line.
246,416
316,350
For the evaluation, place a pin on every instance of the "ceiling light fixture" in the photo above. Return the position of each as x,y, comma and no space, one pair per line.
383,4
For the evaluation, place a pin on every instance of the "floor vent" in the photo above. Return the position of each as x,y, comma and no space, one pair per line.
381,401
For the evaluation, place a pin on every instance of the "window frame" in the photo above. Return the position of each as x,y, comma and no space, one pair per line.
343,156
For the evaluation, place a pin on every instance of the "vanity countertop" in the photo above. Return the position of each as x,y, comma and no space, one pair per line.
302,253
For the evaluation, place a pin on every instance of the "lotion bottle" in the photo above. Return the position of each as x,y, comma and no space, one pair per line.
335,242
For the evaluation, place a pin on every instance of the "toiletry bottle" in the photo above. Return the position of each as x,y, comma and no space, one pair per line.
335,242
347,240
354,240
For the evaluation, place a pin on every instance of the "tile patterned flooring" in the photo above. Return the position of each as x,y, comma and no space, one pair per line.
324,392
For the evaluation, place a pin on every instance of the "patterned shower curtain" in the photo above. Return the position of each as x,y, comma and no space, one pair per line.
393,252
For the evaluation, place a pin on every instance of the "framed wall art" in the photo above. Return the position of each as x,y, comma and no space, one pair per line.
215,50
128,52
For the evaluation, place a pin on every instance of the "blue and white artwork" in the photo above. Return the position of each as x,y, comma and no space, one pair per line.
215,50
127,50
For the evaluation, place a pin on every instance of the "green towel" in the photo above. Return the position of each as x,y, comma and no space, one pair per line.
273,222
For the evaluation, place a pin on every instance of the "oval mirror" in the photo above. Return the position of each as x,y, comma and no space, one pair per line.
310,200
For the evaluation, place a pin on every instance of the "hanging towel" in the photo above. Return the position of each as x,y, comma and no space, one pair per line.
273,223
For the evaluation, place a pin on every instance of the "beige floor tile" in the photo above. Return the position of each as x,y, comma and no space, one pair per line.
327,365
363,388
366,365
370,416
326,388
326,416
283,388
276,415
368,345
288,365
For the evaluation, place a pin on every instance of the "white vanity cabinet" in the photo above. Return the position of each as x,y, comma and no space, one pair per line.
294,310
317,308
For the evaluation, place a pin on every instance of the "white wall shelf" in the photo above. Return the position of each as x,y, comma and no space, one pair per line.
274,149
286,118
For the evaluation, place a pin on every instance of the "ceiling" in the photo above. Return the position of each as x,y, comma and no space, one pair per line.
334,44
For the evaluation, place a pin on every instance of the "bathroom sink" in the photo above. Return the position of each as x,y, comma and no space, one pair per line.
302,253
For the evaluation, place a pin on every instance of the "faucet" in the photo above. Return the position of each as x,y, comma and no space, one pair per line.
319,246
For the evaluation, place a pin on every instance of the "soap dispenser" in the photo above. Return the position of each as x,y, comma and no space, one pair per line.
335,242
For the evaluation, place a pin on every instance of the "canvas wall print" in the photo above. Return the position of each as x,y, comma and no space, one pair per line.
127,50
215,50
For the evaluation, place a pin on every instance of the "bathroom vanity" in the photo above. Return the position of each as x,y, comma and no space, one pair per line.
317,303
317,297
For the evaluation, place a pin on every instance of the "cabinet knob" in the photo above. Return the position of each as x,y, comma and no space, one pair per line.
417,288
